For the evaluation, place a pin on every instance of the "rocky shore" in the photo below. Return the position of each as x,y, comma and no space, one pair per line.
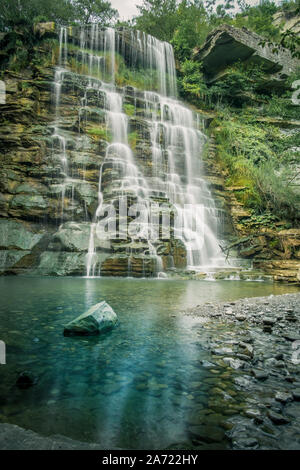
258,340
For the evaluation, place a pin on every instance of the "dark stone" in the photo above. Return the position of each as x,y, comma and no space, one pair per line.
245,443
260,374
269,321
296,394
283,397
209,434
277,418
26,379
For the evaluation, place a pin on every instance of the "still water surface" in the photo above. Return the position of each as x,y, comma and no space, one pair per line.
139,386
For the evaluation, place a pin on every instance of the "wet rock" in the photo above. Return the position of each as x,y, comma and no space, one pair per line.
97,320
291,318
243,357
209,434
221,351
242,382
240,317
26,379
234,363
228,311
247,348
277,418
291,337
254,414
283,397
269,321
267,329
296,394
260,374
245,443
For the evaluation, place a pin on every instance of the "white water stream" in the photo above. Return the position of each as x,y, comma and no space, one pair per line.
177,143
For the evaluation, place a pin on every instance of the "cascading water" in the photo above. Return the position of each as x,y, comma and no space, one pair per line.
170,174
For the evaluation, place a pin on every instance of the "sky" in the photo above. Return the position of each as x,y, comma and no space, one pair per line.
127,8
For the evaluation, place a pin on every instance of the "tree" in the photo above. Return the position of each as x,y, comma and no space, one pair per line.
191,28
88,11
158,17
14,12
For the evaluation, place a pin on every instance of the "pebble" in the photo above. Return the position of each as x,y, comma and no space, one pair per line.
245,443
260,374
254,414
269,321
283,397
277,418
240,317
296,394
233,363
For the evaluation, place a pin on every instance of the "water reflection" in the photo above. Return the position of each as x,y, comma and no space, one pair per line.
137,387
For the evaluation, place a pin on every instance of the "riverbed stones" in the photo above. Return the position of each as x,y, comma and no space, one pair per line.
260,374
296,394
277,418
97,320
283,397
234,363
206,433
245,443
240,317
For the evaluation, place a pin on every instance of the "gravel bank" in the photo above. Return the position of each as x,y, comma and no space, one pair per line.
258,341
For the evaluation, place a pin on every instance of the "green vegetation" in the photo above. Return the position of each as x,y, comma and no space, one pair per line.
132,139
186,23
259,162
17,13
259,159
99,133
129,109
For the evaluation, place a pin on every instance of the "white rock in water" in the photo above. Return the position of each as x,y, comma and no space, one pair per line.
98,319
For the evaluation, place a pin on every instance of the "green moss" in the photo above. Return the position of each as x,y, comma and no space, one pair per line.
132,139
129,109
99,133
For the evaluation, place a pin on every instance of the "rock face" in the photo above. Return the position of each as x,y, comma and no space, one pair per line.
288,21
97,320
272,251
74,138
47,206
227,45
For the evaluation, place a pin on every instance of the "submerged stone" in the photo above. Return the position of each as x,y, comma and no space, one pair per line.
26,379
97,320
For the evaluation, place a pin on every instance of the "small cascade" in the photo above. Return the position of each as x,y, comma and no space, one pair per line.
149,157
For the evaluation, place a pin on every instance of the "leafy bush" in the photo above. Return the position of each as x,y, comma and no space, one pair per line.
276,191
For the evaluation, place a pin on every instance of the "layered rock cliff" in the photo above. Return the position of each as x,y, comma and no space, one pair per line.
55,130
70,143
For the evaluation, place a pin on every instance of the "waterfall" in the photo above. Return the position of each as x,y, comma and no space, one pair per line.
163,167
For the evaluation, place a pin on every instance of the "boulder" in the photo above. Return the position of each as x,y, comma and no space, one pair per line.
17,235
97,320
226,45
